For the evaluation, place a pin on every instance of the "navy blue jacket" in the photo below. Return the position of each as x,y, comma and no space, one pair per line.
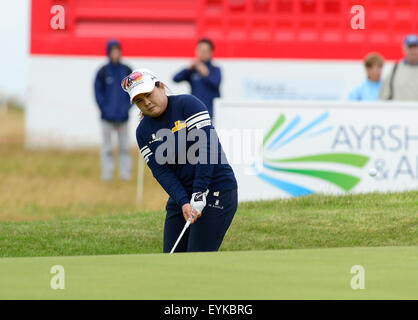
184,114
113,102
204,88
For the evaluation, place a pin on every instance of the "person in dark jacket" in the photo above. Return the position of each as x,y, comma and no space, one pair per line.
114,108
201,184
203,76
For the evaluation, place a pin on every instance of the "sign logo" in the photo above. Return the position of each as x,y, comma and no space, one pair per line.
273,164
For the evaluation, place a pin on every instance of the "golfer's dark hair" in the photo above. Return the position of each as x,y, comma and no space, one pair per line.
158,85
207,41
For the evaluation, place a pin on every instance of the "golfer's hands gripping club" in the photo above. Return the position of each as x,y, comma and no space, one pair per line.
193,210
187,213
198,202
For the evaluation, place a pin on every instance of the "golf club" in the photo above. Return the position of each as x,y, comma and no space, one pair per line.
181,234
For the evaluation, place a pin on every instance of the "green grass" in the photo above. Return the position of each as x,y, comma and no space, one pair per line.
308,222
390,273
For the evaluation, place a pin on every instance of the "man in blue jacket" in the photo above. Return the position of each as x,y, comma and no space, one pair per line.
114,107
203,76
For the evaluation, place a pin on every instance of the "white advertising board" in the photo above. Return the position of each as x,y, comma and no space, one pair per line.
280,149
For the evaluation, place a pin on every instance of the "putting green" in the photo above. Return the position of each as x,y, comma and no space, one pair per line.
389,273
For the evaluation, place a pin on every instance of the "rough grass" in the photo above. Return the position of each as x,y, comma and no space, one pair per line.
37,185
375,219
311,222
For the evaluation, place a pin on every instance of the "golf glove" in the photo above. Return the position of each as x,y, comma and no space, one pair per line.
198,201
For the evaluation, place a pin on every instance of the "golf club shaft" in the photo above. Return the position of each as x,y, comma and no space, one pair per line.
181,234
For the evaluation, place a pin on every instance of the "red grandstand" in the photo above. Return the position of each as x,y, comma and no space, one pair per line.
299,29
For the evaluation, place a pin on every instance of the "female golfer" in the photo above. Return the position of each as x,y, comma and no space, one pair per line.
180,146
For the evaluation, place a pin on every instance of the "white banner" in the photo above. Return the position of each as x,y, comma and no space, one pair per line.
281,149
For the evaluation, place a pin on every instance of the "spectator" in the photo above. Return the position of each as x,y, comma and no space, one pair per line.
114,105
402,83
203,76
369,89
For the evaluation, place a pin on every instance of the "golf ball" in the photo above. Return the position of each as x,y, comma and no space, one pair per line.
372,172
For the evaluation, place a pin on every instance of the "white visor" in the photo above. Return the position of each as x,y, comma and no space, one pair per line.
139,81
